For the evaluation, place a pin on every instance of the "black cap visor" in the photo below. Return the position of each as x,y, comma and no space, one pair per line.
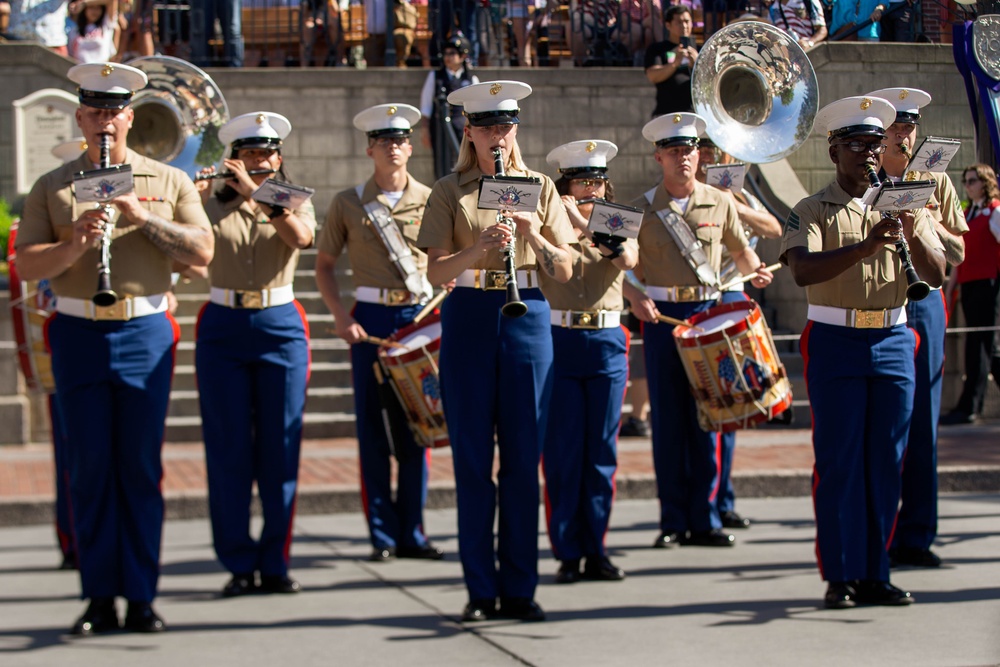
257,142
670,142
907,117
100,100
390,132
572,173
487,118
857,131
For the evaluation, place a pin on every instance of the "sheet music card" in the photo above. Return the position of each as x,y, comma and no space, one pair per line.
934,154
102,185
615,220
726,176
285,195
903,195
509,193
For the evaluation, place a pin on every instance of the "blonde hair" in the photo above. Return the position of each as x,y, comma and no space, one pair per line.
467,158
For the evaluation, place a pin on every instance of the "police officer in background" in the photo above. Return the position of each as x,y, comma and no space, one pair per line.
916,525
453,74
590,371
678,212
252,359
376,221
858,352
113,364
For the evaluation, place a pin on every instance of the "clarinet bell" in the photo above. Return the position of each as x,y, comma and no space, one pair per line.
917,290
105,297
514,307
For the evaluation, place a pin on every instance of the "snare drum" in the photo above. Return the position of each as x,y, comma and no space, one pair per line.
31,304
733,367
413,373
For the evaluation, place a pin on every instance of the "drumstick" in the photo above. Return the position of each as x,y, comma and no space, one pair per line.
677,323
431,305
383,342
742,279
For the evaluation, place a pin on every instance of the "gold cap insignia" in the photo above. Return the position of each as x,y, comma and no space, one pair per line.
677,119
107,70
903,94
391,111
591,146
83,145
865,103
261,119
495,89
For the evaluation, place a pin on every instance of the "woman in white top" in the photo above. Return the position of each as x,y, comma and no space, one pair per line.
93,36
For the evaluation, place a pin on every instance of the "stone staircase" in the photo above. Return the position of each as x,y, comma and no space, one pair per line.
329,403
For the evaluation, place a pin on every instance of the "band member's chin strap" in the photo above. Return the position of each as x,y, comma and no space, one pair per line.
399,252
691,248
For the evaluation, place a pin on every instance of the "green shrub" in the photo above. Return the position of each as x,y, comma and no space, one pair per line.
6,219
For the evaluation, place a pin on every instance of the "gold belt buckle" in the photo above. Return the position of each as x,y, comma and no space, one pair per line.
249,299
869,319
396,297
119,311
686,293
492,279
584,320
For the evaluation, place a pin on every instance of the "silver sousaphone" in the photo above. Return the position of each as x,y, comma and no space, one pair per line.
757,92
178,115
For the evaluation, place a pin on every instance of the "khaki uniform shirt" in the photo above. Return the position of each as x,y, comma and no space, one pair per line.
453,221
832,219
596,283
347,225
249,254
712,218
138,267
945,207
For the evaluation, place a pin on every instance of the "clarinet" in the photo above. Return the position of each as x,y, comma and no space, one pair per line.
105,296
514,307
916,289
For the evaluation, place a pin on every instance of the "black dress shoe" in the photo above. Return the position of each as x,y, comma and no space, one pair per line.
956,417
68,562
913,556
380,554
633,427
569,571
600,568
240,584
733,520
521,609
839,595
882,593
479,610
426,552
100,616
709,538
279,583
667,540
141,618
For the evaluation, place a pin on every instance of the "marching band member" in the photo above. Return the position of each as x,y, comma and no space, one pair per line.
113,364
496,371
252,359
916,525
858,352
377,222
590,372
756,221
677,211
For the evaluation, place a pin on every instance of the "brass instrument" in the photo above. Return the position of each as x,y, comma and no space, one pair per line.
909,175
916,289
514,307
229,174
105,296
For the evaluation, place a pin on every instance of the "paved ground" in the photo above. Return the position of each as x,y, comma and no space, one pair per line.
769,462
756,604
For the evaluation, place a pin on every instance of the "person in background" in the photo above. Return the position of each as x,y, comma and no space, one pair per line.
95,33
802,19
39,21
978,280
897,23
580,457
453,74
404,29
204,13
847,16
669,63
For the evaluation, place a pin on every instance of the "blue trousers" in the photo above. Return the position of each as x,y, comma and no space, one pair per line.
685,458
496,378
916,525
64,509
390,523
113,387
860,384
581,440
725,499
252,367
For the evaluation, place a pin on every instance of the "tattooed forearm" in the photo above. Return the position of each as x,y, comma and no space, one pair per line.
550,259
184,243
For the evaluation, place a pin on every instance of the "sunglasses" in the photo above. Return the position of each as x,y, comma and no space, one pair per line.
971,181
386,142
862,147
586,182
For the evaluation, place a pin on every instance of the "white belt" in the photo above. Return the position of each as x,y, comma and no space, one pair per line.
126,308
586,319
489,280
682,293
252,298
856,318
387,296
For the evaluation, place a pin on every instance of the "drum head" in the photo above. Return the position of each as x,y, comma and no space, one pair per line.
718,318
416,339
